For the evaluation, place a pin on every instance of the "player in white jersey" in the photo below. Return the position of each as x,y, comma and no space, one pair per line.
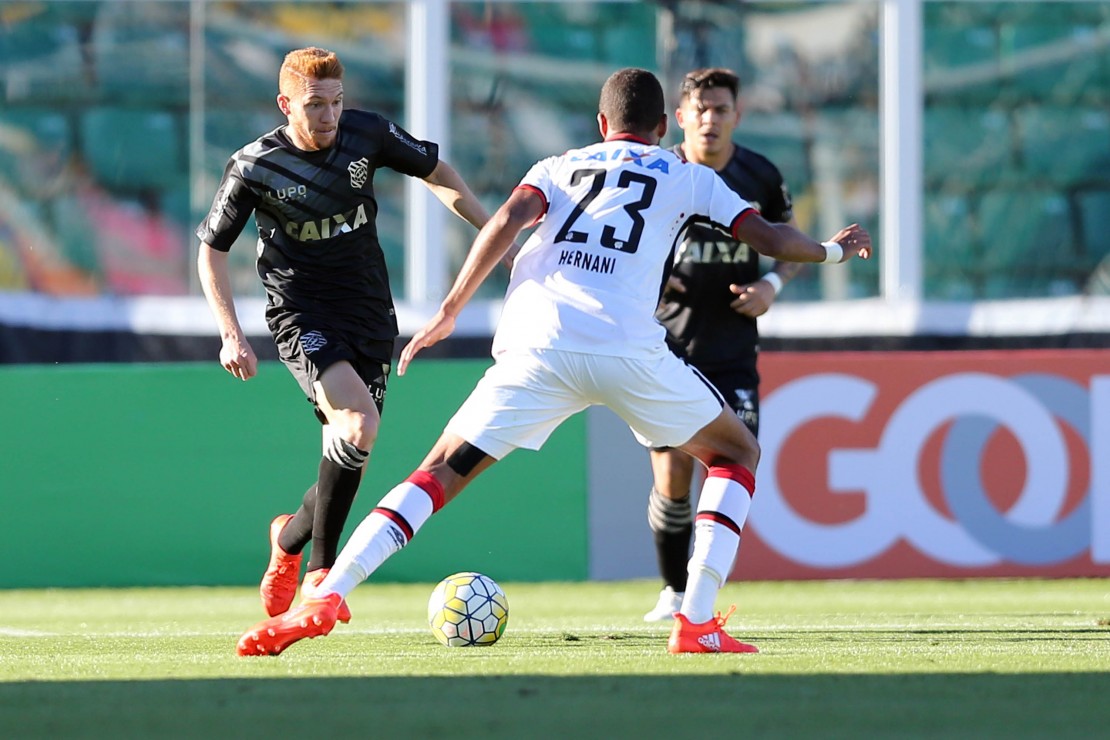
577,329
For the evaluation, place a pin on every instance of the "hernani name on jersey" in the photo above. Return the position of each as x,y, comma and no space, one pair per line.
325,228
587,261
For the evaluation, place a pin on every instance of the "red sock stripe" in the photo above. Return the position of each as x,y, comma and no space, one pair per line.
397,519
431,486
738,473
719,518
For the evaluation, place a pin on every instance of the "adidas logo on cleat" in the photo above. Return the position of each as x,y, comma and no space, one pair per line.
711,642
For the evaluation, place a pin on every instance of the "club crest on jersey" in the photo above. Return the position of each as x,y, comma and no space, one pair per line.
359,171
312,341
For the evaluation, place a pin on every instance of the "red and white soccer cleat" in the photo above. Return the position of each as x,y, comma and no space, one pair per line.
311,618
312,581
279,582
707,637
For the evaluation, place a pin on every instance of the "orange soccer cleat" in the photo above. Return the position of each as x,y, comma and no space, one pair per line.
312,581
311,618
707,637
279,582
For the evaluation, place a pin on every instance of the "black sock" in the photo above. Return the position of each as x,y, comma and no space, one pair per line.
672,525
335,493
673,551
298,530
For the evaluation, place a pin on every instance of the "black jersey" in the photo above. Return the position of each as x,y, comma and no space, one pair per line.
318,249
700,324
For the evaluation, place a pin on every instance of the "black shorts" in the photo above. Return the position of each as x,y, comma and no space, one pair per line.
308,352
740,393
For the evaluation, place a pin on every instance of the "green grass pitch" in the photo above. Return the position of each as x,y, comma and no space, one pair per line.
905,659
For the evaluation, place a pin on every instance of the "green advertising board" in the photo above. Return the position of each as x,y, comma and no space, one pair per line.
148,475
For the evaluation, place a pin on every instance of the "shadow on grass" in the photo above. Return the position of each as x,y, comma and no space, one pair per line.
1056,705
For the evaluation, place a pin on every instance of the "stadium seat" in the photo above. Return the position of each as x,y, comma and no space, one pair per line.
175,205
40,55
961,64
1028,243
1064,145
130,150
141,52
951,259
959,46
853,134
35,146
1094,219
1058,61
964,147
70,221
782,140
226,130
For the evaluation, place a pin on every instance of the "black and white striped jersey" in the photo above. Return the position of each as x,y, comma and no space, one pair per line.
318,248
701,325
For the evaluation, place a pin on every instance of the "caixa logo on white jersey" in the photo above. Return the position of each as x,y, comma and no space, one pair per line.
326,228
1040,528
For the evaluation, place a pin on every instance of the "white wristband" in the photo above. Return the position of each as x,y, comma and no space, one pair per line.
834,253
775,281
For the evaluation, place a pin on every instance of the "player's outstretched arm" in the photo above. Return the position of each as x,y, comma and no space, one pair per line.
785,243
495,239
448,186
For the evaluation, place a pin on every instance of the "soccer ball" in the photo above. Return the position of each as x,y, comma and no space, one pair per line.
468,609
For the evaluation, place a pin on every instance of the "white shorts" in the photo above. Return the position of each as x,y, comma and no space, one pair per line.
525,395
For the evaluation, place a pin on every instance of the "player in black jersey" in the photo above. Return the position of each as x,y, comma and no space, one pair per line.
310,186
710,306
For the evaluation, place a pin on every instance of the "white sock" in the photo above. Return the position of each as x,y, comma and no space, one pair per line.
722,510
385,530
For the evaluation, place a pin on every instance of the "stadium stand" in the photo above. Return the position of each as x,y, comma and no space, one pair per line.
1031,229
966,147
35,144
132,149
952,261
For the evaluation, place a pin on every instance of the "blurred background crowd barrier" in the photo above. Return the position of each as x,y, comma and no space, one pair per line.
117,116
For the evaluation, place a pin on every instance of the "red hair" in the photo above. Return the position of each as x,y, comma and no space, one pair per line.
302,65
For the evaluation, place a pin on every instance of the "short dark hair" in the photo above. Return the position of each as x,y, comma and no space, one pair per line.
703,79
632,100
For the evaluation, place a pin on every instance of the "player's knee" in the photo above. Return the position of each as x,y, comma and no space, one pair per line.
357,427
345,454
367,430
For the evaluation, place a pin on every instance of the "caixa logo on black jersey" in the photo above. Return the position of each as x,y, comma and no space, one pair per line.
326,228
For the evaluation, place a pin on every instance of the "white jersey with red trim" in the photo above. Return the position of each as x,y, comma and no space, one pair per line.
590,276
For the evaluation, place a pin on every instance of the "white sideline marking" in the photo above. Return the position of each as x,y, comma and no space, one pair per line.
14,632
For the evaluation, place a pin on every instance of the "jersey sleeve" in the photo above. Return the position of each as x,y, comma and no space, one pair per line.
780,207
538,180
404,153
231,209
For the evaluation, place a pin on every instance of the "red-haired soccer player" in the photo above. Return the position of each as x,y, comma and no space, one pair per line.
310,186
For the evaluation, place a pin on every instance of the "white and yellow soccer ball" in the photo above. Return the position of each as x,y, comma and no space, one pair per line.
468,609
